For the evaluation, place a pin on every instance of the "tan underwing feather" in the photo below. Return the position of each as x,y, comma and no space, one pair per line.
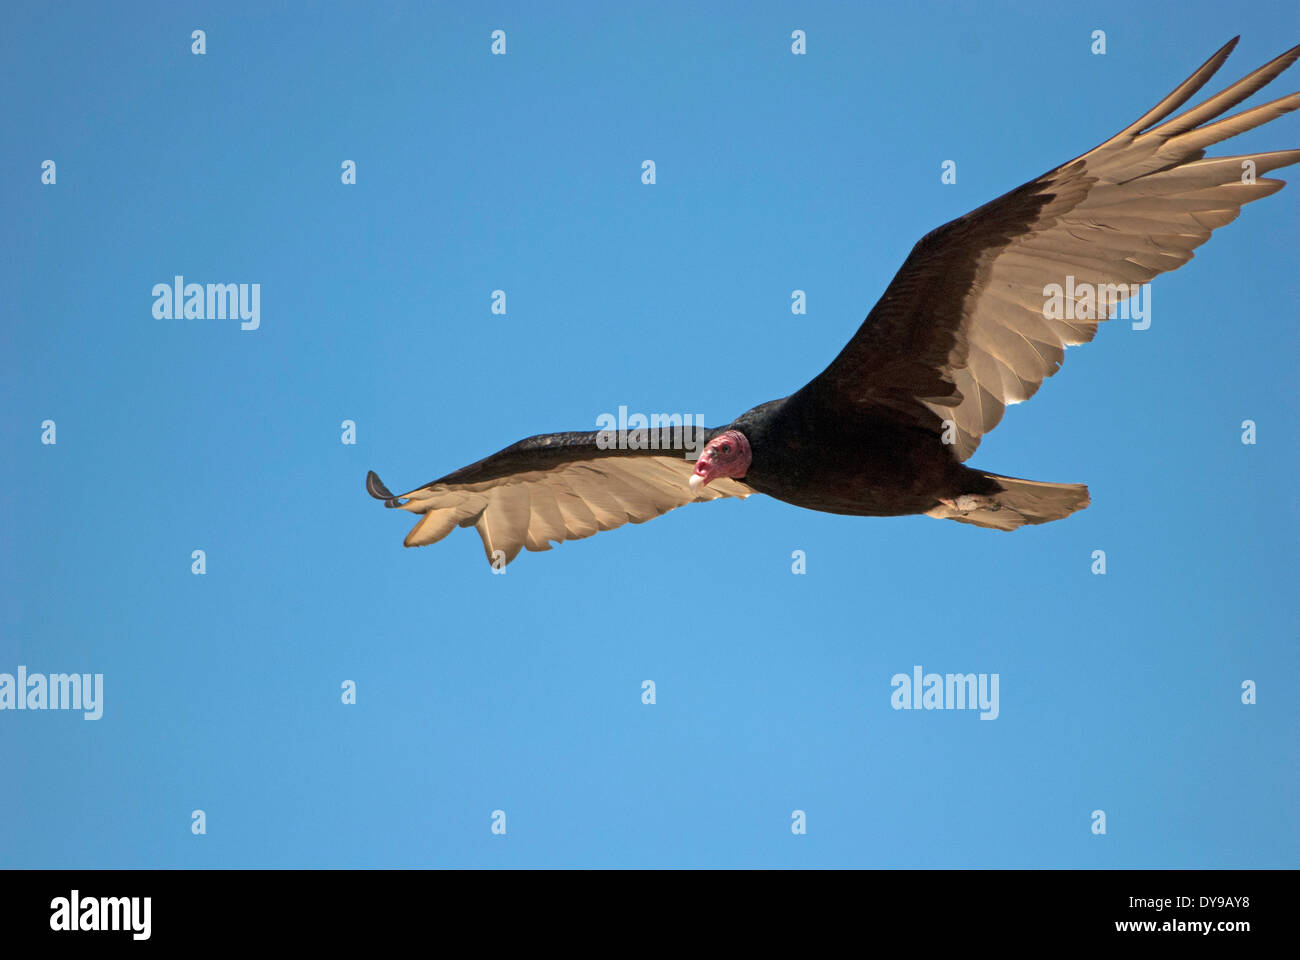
534,509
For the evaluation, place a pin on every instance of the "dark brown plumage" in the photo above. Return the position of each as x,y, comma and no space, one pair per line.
962,331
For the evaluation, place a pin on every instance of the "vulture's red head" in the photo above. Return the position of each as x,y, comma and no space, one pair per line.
726,455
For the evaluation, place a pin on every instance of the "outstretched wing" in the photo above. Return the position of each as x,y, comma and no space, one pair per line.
557,487
964,328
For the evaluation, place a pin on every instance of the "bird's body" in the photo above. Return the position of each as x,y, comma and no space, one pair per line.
972,323
861,462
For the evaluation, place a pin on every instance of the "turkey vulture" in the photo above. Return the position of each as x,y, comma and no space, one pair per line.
962,330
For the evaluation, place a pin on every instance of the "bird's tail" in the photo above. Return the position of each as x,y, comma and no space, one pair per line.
1018,503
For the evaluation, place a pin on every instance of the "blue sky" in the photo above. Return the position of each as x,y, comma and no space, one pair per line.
522,692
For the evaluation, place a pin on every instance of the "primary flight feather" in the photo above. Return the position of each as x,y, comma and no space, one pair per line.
961,332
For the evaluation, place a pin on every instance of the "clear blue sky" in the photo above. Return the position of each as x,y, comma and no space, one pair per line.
523,692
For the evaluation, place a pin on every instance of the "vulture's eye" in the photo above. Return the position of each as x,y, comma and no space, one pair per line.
726,448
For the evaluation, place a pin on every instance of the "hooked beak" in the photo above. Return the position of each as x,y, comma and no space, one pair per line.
726,455
703,473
